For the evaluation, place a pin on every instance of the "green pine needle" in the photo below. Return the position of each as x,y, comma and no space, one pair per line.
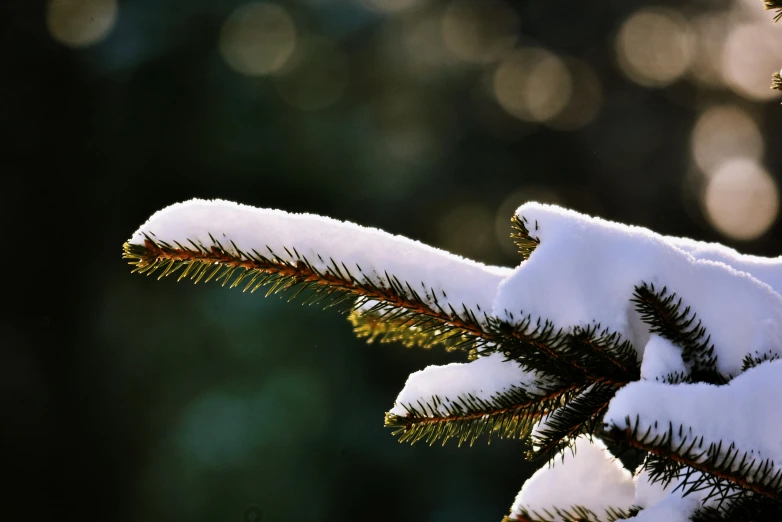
771,5
521,236
410,331
335,286
509,414
726,473
572,514
666,316
581,416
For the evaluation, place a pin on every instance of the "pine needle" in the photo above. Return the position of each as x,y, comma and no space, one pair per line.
771,5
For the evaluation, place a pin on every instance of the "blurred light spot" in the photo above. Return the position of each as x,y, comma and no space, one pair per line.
751,52
80,23
410,127
258,39
423,48
507,209
532,84
479,32
709,30
741,200
389,6
466,231
654,47
585,100
319,77
724,132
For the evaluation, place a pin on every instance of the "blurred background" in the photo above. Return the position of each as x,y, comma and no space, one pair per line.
129,399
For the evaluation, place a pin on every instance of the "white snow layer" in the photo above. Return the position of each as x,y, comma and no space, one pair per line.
456,281
648,493
482,378
585,270
590,478
744,412
661,358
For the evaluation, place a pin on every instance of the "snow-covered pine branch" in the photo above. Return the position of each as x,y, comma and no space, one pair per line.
661,347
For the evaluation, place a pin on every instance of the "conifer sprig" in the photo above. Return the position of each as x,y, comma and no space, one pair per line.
415,331
521,236
509,414
578,356
337,285
571,514
666,316
751,361
776,79
581,416
722,469
774,5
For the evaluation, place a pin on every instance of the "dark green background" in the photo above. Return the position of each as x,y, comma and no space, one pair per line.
129,399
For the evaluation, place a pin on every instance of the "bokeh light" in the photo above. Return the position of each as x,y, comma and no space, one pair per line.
479,32
654,47
80,23
750,54
258,39
532,84
709,30
741,199
319,77
724,132
466,230
585,100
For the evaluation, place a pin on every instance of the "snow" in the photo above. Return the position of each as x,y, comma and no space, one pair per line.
585,269
765,269
661,358
591,478
672,508
731,413
648,493
583,272
483,378
455,280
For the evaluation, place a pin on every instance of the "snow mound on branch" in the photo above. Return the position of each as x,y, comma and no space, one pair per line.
744,412
766,269
483,378
456,281
661,358
591,478
585,270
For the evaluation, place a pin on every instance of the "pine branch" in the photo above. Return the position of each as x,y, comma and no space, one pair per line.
581,416
664,314
388,297
417,331
585,355
390,301
510,414
776,79
521,236
771,5
720,468
572,514
750,362
748,508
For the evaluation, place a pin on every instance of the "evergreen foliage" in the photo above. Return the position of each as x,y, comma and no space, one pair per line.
774,5
579,368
